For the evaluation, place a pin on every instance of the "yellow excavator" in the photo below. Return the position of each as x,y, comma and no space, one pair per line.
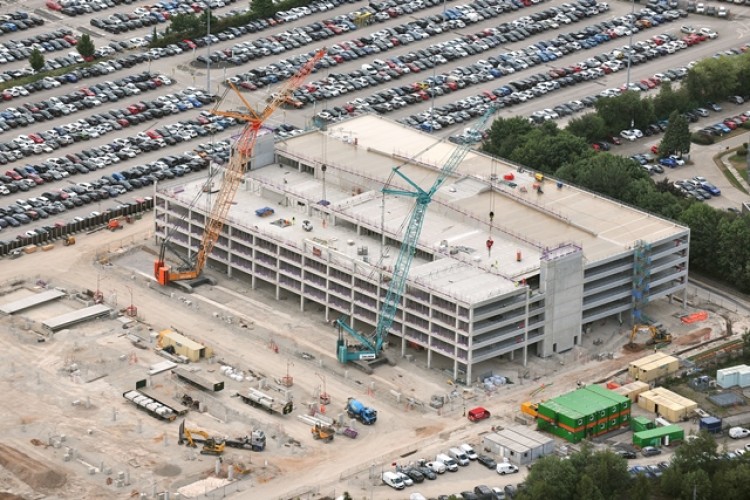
657,333
211,445
323,432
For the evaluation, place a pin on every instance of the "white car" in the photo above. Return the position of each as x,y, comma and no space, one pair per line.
628,135
738,433
708,32
436,466
406,479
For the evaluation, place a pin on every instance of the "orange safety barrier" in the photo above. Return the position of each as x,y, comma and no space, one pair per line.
695,317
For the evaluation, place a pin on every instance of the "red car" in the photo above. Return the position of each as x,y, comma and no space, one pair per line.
153,135
36,139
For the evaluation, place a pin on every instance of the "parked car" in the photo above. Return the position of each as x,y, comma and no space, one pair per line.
738,433
650,451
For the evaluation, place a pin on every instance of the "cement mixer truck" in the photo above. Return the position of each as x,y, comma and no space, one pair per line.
364,414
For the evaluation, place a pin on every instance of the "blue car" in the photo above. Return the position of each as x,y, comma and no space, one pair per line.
668,162
711,188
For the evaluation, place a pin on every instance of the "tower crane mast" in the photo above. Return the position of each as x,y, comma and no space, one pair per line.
233,174
370,347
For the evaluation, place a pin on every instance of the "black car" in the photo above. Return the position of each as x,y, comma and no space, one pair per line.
414,474
488,462
625,454
427,472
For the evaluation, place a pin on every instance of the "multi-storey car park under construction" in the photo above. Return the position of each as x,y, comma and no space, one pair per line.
551,259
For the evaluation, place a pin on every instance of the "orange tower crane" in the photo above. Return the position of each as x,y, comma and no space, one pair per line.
233,174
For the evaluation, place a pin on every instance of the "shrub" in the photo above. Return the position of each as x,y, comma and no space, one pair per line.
702,139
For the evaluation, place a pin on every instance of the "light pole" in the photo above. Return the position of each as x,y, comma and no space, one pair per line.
630,54
208,50
630,44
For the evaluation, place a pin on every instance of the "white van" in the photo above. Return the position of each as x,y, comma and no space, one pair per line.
450,464
506,468
459,456
469,451
393,480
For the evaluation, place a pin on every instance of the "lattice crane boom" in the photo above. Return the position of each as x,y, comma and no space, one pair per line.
372,346
233,174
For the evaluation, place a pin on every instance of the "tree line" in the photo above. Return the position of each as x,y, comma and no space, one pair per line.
720,240
698,470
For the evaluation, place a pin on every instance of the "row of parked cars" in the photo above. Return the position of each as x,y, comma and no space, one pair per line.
55,202
18,21
97,124
50,41
123,148
78,100
483,70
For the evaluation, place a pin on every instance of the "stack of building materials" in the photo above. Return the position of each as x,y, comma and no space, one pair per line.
667,404
732,376
659,436
655,366
632,390
587,412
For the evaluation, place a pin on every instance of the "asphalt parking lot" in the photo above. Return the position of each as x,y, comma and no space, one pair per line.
470,58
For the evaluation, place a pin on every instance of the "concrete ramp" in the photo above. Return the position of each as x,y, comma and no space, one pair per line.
73,318
32,301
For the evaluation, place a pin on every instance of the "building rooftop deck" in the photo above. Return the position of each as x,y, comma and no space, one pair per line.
457,225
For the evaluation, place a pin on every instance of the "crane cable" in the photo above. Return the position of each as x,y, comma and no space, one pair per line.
493,177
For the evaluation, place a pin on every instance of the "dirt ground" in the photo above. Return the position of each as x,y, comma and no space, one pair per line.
73,435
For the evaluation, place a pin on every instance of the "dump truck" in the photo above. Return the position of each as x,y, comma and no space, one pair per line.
364,414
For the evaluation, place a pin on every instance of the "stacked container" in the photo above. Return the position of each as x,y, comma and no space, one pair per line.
587,412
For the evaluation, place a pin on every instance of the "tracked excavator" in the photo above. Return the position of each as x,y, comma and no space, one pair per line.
657,334
194,437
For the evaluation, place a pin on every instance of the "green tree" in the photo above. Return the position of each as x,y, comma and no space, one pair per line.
263,8
505,135
203,21
697,454
733,251
85,47
534,151
184,23
668,100
676,137
347,496
587,490
746,345
607,174
704,224
36,60
590,127
731,484
712,79
671,482
609,472
641,489
696,485
625,109
743,73
551,477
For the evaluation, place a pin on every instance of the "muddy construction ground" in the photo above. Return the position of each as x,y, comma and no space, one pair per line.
69,433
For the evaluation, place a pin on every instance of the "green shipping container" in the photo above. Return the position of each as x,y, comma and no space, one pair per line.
639,424
659,436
